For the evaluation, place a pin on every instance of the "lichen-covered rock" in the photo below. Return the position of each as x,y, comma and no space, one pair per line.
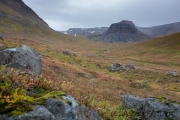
152,108
21,58
64,111
60,109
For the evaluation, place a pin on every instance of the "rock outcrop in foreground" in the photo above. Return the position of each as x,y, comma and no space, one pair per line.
153,108
123,31
56,109
22,58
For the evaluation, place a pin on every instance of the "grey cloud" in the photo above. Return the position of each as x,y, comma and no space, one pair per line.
65,14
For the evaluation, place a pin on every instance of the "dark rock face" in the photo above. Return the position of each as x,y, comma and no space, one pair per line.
21,58
152,108
55,109
123,31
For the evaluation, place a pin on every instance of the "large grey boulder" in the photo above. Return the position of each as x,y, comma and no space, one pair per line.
152,108
21,58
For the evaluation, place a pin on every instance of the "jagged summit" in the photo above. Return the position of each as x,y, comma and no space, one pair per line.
123,31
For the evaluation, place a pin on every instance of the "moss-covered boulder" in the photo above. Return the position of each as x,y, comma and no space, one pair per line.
152,108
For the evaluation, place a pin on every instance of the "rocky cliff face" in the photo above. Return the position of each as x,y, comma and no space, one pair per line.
123,31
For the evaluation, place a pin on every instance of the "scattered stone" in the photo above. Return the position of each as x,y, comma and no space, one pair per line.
173,73
90,76
152,108
98,65
2,36
135,84
129,67
144,84
66,53
74,54
117,68
22,58
81,74
139,85
178,81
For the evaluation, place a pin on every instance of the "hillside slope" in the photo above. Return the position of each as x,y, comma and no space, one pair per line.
17,12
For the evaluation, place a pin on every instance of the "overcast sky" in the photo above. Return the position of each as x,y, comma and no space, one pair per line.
64,14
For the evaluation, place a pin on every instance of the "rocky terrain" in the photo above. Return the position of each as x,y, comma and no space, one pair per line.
124,31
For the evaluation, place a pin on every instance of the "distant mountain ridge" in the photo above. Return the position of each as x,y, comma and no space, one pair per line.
123,31
86,32
149,32
161,30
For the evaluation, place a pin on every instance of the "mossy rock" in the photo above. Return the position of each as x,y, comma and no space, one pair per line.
166,100
15,109
22,107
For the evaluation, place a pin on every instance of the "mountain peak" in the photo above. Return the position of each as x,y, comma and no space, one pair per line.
124,26
123,31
